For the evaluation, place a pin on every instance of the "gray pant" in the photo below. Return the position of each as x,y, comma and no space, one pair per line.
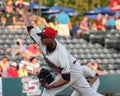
94,87
78,82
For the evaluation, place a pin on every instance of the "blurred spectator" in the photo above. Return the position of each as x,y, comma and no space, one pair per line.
9,18
104,20
1,70
10,3
118,24
84,27
3,73
17,48
12,71
89,64
4,63
33,50
2,10
35,24
22,72
25,61
64,24
52,23
75,28
97,25
110,24
91,75
42,23
97,69
19,4
35,65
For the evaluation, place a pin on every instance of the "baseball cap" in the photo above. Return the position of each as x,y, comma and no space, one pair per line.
14,64
47,32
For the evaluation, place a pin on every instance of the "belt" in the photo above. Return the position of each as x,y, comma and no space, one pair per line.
74,61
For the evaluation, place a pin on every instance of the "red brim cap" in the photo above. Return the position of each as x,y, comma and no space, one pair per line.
47,32
41,35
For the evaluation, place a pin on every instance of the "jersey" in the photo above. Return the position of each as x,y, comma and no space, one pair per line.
60,58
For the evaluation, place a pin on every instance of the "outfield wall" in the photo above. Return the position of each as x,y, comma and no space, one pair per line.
30,86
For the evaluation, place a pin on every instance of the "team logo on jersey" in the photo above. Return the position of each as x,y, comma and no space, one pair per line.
43,31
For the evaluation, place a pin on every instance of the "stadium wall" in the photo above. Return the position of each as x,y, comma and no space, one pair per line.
30,86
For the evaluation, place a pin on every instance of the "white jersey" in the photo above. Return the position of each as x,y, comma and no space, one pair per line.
60,58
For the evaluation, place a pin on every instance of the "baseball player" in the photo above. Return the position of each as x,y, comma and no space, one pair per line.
93,80
58,58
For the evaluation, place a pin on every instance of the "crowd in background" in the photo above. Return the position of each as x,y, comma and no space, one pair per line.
12,17
29,66
26,67
102,23
23,50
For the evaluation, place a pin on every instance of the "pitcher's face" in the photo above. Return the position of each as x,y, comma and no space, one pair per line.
45,41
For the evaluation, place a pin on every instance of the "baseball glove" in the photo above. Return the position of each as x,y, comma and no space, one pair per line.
45,76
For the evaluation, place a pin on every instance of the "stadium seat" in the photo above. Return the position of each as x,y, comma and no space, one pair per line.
109,55
105,61
80,48
102,55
